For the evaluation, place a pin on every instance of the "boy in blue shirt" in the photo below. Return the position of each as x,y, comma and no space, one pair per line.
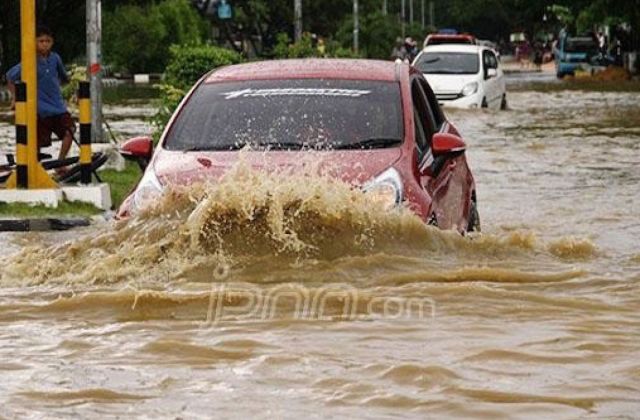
53,116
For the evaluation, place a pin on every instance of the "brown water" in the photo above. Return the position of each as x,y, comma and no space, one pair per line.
306,301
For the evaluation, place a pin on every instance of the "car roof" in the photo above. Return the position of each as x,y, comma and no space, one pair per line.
312,68
460,48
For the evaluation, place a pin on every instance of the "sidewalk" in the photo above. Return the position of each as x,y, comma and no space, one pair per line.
512,66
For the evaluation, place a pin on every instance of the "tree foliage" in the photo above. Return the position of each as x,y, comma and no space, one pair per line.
188,64
138,38
138,33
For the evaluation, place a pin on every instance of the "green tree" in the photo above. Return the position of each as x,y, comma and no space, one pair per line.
377,34
133,39
137,38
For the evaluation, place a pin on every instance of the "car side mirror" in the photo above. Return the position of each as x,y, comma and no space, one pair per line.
138,149
491,73
445,144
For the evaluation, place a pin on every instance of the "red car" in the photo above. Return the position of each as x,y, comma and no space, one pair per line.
380,117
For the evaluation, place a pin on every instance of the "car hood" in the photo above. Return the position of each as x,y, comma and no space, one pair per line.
449,83
352,166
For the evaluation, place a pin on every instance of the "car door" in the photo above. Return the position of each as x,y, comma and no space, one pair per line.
500,80
491,90
445,179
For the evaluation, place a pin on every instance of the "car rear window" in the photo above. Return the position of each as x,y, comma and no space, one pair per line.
448,63
440,41
315,113
580,45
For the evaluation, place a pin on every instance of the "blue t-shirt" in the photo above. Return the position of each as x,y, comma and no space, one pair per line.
50,72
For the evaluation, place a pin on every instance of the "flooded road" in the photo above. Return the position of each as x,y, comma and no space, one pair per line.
249,305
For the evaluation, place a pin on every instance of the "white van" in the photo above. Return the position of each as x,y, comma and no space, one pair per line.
465,76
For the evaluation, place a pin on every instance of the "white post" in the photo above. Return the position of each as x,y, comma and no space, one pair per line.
402,16
297,18
356,26
94,66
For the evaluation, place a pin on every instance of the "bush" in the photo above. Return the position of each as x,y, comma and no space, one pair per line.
286,49
304,49
186,65
76,74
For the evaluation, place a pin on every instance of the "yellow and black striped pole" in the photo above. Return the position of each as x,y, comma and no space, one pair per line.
29,174
84,105
22,174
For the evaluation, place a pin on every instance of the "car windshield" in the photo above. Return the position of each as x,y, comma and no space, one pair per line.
448,63
290,114
582,45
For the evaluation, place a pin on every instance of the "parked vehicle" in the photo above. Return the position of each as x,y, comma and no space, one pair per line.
572,53
465,76
377,121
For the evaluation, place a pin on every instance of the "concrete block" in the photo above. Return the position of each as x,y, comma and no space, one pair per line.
48,197
99,195
41,225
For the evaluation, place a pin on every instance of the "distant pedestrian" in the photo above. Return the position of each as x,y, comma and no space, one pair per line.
53,116
617,53
538,54
411,47
321,48
399,52
525,55
602,43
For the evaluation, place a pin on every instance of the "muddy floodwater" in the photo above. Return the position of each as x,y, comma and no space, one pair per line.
262,297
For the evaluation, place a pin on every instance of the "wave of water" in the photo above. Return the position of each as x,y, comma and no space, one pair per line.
299,297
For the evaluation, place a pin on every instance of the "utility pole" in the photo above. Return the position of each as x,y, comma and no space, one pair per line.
356,26
384,7
422,14
411,11
402,16
94,66
432,19
297,18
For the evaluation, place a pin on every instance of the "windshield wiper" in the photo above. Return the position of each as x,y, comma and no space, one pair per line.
281,145
373,143
218,148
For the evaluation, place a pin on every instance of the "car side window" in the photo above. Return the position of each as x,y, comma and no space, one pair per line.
493,60
489,60
421,136
435,111
423,122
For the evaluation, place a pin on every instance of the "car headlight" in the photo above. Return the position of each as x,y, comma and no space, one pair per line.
385,189
470,89
147,190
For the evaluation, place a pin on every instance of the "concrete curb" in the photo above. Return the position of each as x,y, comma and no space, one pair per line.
42,225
